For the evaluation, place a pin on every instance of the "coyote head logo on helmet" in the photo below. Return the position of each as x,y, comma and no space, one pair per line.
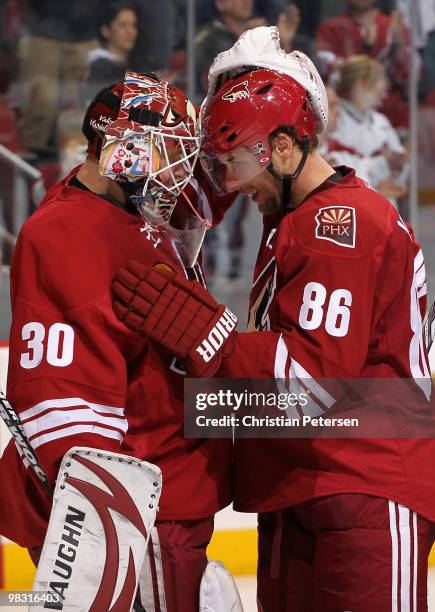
238,92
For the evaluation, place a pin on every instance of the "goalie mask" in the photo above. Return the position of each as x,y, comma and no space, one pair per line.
144,133
152,146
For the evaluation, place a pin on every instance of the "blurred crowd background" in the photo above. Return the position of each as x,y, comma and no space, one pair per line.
379,68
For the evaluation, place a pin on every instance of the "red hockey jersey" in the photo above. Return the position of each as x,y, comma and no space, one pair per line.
335,295
78,376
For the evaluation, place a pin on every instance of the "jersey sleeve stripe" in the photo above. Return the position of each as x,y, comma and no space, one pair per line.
419,260
421,276
56,418
311,384
68,402
74,430
280,369
422,291
290,375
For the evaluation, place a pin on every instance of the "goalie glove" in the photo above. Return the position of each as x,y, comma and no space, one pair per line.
178,314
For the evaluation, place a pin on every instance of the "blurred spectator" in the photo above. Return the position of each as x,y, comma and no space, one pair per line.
205,11
52,63
369,168
365,134
233,18
157,35
118,27
11,16
363,29
270,9
71,147
311,12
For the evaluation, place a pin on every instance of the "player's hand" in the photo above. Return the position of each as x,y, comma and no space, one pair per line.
179,314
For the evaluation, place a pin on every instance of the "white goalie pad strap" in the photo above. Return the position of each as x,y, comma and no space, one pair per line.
104,507
218,591
151,593
261,47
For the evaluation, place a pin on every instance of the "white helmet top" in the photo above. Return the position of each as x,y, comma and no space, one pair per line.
261,48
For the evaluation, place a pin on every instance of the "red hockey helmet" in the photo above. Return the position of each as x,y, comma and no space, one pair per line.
240,118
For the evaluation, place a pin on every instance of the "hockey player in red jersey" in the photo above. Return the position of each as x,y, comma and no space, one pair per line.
338,291
79,377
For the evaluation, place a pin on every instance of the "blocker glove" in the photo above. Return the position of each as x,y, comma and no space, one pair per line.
178,314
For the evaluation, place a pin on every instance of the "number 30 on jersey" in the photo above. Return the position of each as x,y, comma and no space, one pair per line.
57,351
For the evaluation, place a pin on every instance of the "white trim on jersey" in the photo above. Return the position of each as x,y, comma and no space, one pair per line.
405,559
281,356
270,263
67,402
65,418
394,556
72,430
403,540
418,260
422,291
420,274
321,393
301,383
58,418
415,561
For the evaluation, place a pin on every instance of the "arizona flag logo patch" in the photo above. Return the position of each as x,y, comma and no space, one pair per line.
337,224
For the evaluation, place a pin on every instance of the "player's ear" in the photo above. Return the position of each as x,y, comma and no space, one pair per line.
282,148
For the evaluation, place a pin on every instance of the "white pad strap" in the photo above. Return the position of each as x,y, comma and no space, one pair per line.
218,591
104,507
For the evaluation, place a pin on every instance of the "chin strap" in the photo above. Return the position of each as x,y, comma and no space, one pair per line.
287,179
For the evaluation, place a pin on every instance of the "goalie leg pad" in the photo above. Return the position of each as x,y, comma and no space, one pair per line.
218,591
104,507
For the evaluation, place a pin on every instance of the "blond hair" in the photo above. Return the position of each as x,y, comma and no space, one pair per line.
358,68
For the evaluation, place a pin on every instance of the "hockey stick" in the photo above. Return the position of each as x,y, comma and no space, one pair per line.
13,423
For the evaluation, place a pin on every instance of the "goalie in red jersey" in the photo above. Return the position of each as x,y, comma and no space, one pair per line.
339,292
79,377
